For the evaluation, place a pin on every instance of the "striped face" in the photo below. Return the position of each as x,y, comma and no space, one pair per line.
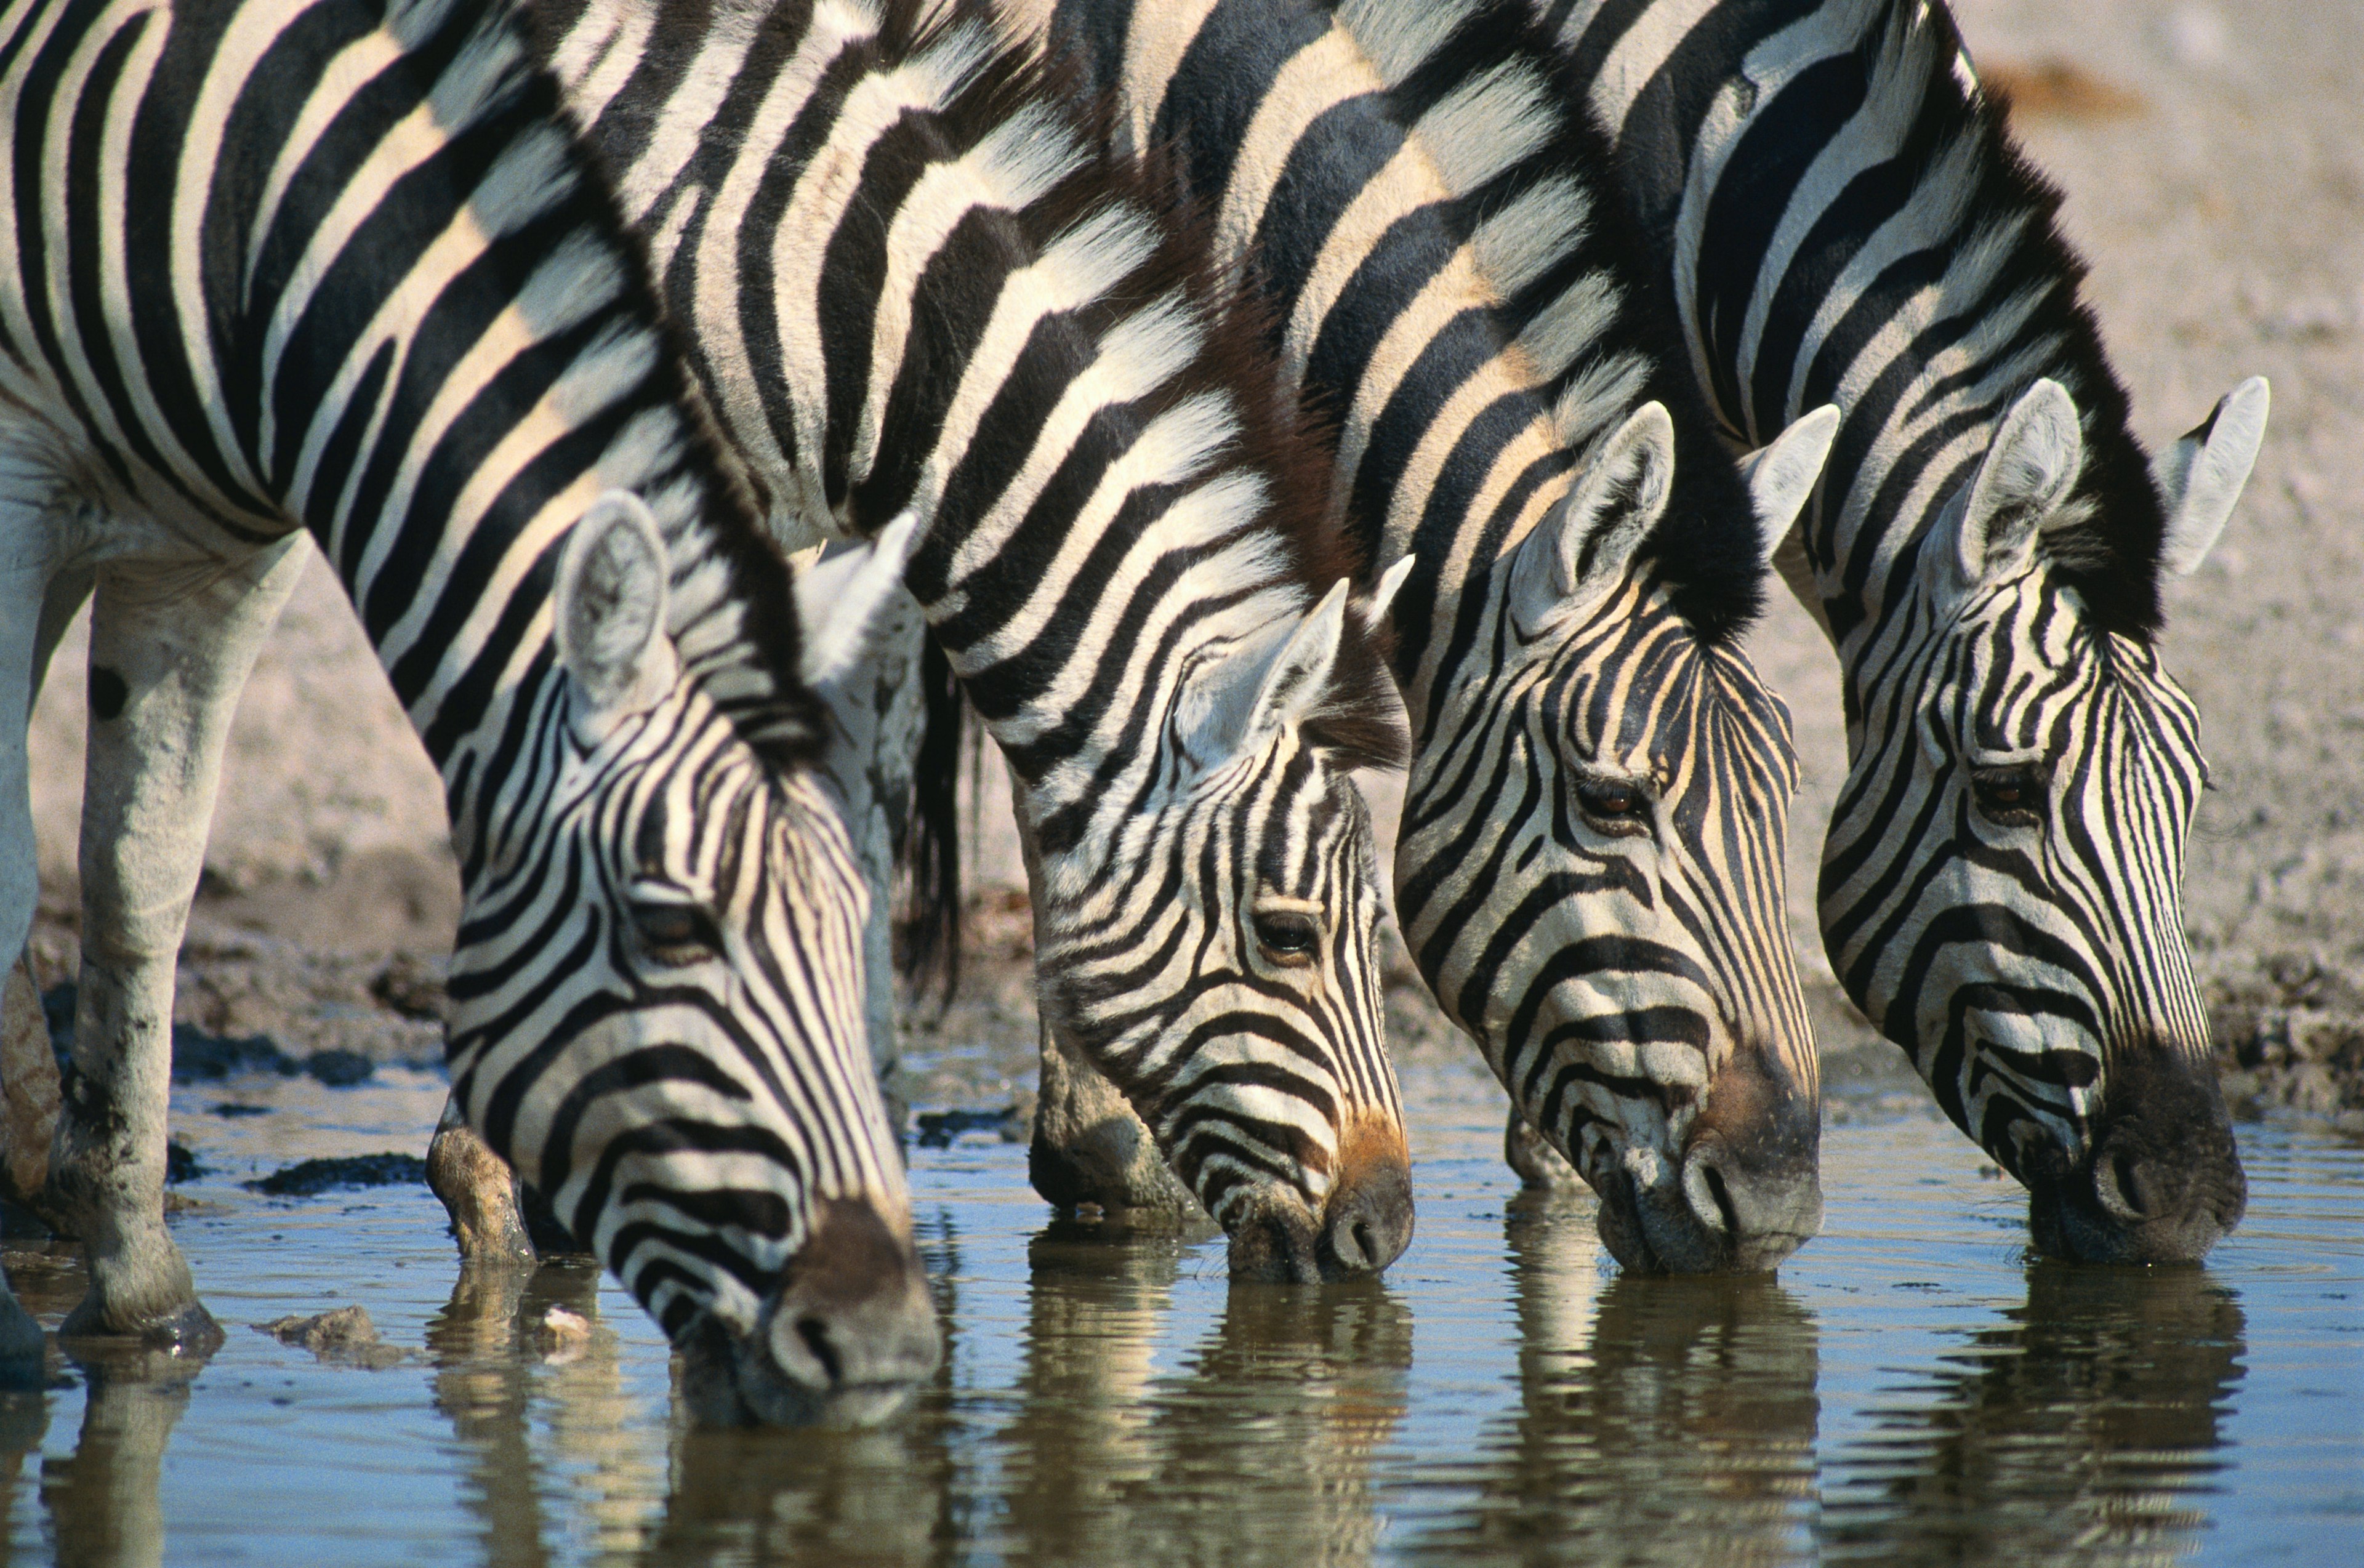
1590,876
656,1014
2000,894
1220,967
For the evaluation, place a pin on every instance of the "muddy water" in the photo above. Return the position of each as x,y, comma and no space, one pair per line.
1910,1391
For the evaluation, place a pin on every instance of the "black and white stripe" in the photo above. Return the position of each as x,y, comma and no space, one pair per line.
341,268
1589,867
915,287
1842,218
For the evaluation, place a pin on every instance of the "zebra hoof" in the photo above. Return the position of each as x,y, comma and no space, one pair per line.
24,1348
1540,1167
189,1332
479,1195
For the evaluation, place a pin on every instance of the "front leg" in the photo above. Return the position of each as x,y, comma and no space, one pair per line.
170,649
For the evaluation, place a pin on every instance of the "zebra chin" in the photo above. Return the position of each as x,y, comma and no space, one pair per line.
846,1338
2159,1179
1748,1193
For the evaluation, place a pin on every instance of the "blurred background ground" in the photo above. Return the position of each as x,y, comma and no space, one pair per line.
2215,183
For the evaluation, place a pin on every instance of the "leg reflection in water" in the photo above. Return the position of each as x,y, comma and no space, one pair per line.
517,1345
1662,1419
1257,1447
2071,1433
102,1500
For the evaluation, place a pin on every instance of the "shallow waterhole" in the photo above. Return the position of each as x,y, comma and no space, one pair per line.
1911,1390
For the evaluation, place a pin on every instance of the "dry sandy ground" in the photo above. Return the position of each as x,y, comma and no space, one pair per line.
2215,181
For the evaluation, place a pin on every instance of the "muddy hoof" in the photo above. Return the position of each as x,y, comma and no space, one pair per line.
189,1331
24,1348
1540,1167
479,1195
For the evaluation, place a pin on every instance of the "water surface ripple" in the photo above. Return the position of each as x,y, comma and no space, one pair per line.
1911,1390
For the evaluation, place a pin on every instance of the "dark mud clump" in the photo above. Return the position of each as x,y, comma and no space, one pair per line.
345,1337
1012,1124
2289,1036
202,1056
310,1178
181,1164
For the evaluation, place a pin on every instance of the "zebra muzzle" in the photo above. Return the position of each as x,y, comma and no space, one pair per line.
845,1340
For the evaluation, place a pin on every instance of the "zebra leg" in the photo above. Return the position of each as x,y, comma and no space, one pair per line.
25,592
1088,1146
1541,1168
169,649
479,1191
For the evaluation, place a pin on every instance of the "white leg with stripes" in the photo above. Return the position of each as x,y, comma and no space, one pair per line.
172,644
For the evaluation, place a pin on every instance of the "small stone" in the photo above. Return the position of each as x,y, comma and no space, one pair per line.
561,1336
345,1336
339,1069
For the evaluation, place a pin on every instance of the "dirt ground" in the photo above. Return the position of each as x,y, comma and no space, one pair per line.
2215,182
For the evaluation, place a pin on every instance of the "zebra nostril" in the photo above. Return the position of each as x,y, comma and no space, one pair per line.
815,1335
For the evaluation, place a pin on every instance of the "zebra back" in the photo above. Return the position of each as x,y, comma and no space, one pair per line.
1844,218
344,267
1589,870
916,284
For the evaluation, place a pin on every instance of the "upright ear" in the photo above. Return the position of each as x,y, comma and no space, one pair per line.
2034,460
838,599
1587,545
610,610
2201,476
1374,609
1262,687
1781,473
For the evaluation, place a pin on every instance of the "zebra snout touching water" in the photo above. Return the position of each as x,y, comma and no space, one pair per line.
1841,217
1590,868
1577,875
913,281
2032,957
340,268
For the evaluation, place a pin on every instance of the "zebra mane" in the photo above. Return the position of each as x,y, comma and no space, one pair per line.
1361,721
2106,538
1567,259
731,611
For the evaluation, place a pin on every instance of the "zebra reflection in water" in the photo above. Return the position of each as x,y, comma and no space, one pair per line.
2085,1426
1666,1421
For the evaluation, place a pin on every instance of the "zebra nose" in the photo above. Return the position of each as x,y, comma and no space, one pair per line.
2164,1174
1370,1219
1751,1174
851,1329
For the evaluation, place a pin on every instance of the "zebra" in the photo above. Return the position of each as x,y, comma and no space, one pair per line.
913,281
337,271
1841,217
1588,872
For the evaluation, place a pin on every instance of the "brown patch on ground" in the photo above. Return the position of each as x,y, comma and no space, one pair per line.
2056,88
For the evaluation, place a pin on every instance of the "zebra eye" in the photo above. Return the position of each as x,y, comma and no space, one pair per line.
1287,936
2012,795
1613,806
674,933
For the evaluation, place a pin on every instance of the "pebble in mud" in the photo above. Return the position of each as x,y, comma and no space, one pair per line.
344,1336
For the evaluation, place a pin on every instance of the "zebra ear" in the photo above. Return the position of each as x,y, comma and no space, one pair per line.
1781,473
1262,687
2026,473
611,614
838,600
1588,543
2201,476
1374,609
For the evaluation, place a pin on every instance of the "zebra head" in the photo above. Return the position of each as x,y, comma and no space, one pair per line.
2001,889
656,1010
1590,872
1226,981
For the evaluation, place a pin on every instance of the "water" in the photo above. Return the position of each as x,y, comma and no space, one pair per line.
1912,1390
